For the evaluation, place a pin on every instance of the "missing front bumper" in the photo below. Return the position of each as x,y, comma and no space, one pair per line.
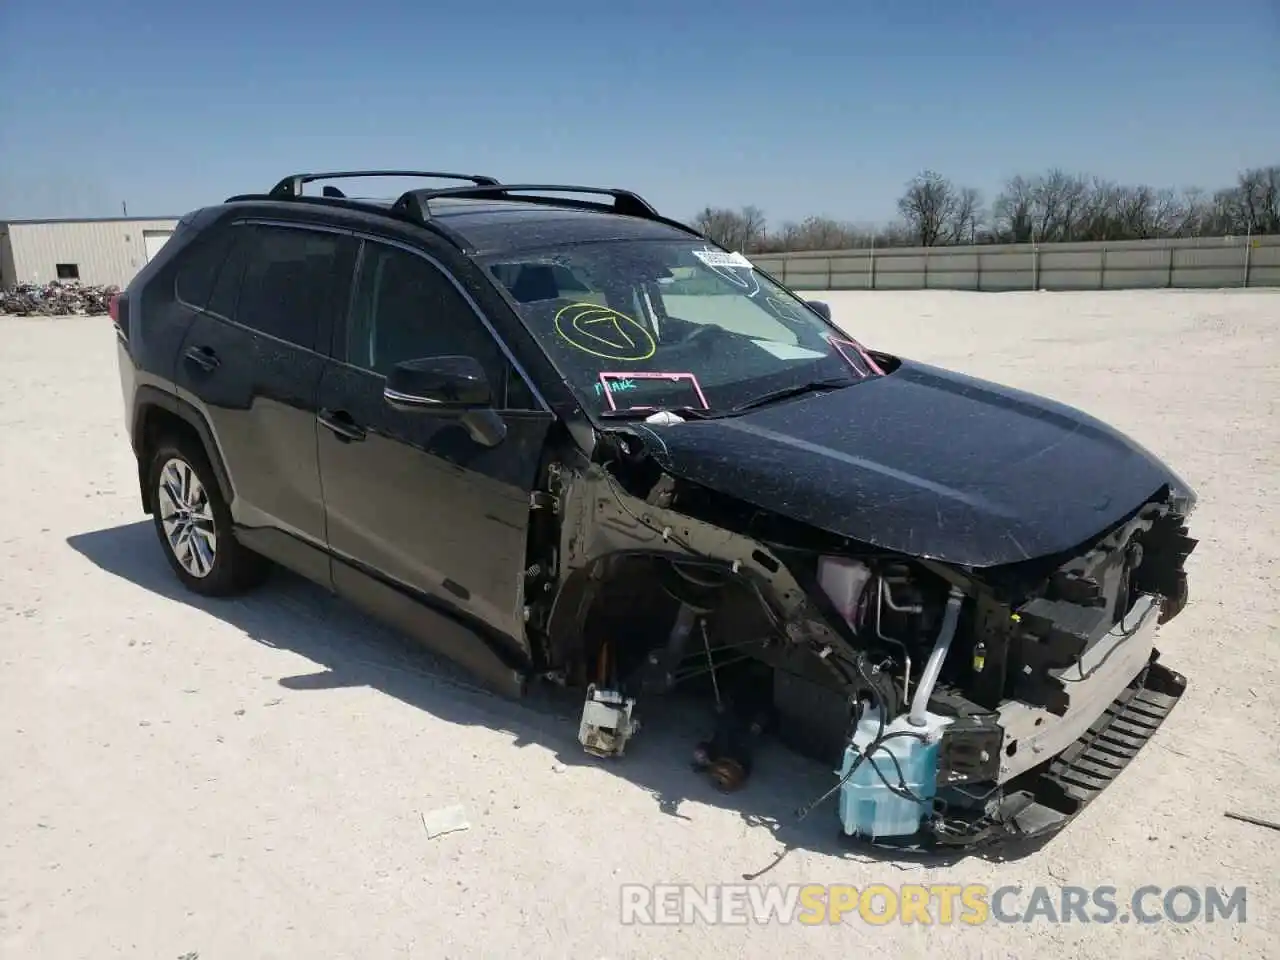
1043,801
1052,766
1033,735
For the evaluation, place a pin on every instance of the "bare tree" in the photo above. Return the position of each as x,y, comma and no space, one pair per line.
1226,213
742,230
1058,198
966,216
1049,207
1166,213
755,228
1193,214
821,233
1097,217
1011,213
896,234
1259,200
1139,216
928,207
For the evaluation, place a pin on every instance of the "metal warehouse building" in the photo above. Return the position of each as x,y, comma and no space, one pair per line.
106,251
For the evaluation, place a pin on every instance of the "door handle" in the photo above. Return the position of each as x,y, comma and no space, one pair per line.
340,422
203,357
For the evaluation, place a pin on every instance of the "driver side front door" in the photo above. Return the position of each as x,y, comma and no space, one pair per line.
412,502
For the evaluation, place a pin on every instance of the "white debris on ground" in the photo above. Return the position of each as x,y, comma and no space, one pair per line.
296,831
445,820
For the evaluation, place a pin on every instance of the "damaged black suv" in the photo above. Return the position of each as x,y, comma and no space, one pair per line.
555,435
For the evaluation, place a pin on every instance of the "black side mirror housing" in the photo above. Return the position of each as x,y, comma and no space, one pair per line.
447,385
438,383
820,308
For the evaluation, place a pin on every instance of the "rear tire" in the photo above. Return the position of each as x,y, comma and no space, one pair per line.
194,524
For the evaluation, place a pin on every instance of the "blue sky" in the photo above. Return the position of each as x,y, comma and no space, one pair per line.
800,107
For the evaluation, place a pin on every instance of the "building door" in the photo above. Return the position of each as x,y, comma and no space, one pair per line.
153,240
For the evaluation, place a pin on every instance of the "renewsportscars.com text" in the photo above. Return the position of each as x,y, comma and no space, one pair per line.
928,904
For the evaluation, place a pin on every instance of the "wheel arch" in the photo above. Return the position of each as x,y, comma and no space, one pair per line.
158,416
582,589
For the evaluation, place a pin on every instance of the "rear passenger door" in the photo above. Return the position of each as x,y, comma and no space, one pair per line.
252,362
412,501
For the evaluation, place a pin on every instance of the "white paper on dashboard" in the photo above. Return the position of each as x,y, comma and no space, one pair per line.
787,351
721,258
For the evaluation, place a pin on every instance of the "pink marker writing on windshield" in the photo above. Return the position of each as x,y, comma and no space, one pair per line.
606,376
863,363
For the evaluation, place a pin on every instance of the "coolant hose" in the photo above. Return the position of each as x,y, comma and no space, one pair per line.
920,702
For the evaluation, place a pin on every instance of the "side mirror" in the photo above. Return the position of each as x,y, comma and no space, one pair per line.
438,383
820,308
447,385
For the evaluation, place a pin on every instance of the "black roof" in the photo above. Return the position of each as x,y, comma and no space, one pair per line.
490,227
486,216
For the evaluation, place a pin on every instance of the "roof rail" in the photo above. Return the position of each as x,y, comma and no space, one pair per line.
343,203
414,206
291,186
416,203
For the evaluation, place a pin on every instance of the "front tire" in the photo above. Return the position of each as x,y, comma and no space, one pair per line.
193,523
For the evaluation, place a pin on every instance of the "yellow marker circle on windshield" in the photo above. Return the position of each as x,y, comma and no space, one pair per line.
604,333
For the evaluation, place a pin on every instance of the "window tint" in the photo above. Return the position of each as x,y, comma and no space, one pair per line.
519,396
405,309
226,289
288,283
198,268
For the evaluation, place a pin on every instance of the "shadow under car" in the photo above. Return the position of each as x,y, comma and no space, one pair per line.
356,650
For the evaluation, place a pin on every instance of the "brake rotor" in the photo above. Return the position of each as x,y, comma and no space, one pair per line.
727,773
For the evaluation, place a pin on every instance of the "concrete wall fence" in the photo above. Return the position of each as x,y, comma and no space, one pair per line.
1198,262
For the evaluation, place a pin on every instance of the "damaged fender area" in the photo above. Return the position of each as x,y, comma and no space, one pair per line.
959,706
648,598
607,533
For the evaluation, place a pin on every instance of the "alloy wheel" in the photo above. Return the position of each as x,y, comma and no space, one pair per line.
187,518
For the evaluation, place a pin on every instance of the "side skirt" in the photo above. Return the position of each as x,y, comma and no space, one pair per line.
434,629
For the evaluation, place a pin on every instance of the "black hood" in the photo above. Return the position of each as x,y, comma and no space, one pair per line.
925,462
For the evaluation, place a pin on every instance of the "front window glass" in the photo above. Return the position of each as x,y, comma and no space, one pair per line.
644,324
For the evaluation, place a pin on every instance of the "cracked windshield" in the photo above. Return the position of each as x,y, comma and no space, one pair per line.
647,325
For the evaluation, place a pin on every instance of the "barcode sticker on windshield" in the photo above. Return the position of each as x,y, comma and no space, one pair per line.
718,258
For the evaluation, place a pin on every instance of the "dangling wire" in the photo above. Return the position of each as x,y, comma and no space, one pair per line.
711,664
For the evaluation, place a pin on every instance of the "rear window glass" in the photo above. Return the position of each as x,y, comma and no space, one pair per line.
198,267
287,285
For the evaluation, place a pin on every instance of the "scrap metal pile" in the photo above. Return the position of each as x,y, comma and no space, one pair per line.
56,299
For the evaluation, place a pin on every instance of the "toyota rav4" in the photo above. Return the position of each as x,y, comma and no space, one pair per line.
557,436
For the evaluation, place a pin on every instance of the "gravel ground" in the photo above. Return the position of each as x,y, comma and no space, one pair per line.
247,779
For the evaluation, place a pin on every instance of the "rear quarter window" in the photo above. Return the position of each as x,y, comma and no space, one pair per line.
226,289
198,266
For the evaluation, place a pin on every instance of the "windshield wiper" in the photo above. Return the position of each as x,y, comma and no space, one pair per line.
797,390
687,413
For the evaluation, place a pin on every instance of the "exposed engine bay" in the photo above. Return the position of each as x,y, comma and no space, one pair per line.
957,705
